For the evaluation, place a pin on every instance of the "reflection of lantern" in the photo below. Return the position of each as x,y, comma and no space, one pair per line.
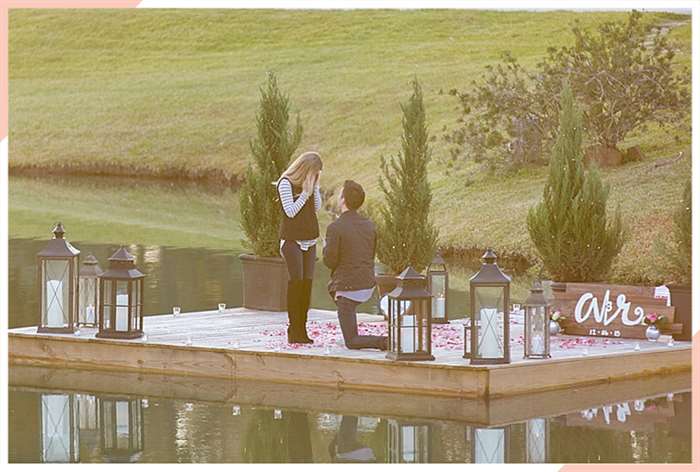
121,428
438,287
489,290
536,440
408,442
409,319
58,284
89,291
59,428
121,298
536,324
489,445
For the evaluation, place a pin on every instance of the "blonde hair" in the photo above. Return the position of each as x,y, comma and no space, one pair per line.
302,166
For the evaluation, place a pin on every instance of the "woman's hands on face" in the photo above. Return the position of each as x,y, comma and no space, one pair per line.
309,183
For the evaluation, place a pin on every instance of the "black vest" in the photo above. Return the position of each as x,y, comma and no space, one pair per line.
304,225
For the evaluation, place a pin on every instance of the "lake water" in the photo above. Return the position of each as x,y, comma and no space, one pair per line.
181,237
245,425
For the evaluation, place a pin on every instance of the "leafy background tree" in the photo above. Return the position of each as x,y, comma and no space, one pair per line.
406,233
622,75
570,228
272,150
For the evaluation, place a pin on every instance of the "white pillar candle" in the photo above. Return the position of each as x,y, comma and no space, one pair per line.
408,342
439,307
408,444
54,299
122,323
536,439
488,344
537,344
90,314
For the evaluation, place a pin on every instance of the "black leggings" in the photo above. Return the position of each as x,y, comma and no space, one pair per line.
300,264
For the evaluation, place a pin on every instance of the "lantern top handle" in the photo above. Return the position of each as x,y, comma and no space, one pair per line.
489,256
437,260
90,260
536,296
58,231
537,286
122,255
409,273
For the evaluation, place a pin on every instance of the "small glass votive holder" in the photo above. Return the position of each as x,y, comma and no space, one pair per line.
235,344
277,414
670,342
236,410
222,307
188,341
327,349
669,397
637,347
176,311
144,402
585,351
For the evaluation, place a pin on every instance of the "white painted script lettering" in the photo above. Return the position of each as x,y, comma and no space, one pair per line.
587,304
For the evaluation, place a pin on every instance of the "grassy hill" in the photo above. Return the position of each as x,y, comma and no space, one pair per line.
173,93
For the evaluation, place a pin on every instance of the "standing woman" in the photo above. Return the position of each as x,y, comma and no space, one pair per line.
300,198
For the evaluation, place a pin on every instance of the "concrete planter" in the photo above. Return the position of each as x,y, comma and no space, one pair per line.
264,283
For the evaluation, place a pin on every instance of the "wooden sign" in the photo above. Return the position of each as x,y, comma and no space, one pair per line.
615,311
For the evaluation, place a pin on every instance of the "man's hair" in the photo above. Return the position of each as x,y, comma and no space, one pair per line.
353,194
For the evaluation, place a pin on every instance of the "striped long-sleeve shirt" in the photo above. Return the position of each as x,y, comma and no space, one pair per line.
291,207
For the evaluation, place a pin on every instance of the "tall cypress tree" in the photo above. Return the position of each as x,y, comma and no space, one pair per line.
272,150
406,234
569,228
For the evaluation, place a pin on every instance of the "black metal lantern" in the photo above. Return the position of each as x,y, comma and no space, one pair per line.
490,445
536,334
489,291
121,428
57,267
60,434
89,288
408,442
121,298
438,286
410,327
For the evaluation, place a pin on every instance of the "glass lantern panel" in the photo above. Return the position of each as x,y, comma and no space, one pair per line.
121,322
394,307
489,317
122,425
489,446
135,308
136,425
536,329
88,297
438,284
107,303
409,329
55,290
56,428
536,440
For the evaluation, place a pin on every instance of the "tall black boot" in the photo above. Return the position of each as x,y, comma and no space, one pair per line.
294,294
305,303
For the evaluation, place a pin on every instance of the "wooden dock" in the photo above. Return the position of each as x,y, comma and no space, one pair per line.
240,344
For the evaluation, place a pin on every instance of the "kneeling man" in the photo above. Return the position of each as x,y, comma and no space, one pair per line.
349,252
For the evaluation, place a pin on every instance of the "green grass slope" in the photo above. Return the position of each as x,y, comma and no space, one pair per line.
173,93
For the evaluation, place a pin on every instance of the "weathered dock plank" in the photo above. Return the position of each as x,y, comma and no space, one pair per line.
240,344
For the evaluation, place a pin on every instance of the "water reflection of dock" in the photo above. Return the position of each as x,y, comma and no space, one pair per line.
75,425
233,345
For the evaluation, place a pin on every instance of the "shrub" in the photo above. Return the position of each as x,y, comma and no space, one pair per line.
406,234
272,149
569,228
622,75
